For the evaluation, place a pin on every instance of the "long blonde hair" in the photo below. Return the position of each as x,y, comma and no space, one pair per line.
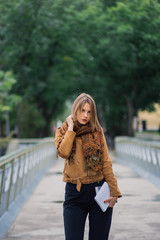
79,103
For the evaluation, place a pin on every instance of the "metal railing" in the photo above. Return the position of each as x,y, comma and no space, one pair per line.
142,154
18,169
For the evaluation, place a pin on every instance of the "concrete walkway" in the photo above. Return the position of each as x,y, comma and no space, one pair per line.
136,215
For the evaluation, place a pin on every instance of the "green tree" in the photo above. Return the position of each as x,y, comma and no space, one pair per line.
122,59
31,120
60,48
39,45
129,57
8,100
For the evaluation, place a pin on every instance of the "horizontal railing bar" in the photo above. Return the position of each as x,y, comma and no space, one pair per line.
7,158
136,141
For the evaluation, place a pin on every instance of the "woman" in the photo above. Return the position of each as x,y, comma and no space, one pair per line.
81,142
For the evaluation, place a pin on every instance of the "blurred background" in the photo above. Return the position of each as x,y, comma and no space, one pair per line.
51,51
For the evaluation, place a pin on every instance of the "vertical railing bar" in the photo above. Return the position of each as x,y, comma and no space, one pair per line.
10,184
21,185
2,183
15,191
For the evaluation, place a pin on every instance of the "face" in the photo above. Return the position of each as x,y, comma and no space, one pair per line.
84,115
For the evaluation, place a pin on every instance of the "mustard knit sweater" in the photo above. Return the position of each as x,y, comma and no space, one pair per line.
74,172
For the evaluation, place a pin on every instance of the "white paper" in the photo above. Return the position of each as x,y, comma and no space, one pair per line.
102,195
97,189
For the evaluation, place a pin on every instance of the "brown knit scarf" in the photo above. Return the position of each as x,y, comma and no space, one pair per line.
92,145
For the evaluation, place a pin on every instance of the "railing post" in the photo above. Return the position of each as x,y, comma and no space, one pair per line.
1,193
10,183
1,182
15,176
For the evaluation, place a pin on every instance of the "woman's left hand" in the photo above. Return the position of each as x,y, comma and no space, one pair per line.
111,200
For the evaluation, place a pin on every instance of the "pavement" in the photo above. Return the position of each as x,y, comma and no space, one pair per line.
135,216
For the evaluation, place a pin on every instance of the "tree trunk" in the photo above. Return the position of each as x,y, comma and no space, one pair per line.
46,131
7,123
19,120
1,128
130,109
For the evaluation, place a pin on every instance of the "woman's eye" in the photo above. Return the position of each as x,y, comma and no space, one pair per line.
83,110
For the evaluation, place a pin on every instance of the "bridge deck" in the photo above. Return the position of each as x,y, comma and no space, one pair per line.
136,215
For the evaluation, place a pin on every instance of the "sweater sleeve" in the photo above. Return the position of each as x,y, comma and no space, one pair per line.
108,172
64,143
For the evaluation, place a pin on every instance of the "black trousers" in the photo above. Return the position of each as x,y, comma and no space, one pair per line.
77,206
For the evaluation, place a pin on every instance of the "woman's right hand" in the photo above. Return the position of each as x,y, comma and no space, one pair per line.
69,120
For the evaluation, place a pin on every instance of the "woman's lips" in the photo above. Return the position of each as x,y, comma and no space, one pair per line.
84,120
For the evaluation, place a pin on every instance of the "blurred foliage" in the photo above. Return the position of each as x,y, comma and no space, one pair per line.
58,49
4,143
129,58
3,146
31,121
7,100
